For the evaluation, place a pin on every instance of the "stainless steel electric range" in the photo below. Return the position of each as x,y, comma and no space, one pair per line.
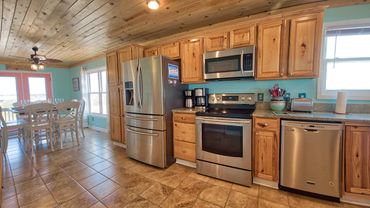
224,136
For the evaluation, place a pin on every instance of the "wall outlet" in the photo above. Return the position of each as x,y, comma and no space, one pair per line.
302,95
260,97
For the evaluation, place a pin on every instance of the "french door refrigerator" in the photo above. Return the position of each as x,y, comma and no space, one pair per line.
152,89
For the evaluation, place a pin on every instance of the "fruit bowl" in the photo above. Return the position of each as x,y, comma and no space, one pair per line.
277,105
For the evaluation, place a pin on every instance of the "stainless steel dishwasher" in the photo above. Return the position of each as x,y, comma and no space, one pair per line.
311,157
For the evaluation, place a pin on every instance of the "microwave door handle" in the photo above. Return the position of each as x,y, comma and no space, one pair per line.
242,62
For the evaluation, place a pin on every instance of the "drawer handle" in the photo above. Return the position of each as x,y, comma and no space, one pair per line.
262,124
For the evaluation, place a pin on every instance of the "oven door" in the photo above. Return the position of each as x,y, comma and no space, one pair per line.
231,63
224,141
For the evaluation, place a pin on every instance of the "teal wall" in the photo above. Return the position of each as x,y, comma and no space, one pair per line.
93,120
308,86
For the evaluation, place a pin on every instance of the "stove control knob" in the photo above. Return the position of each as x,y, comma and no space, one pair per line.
218,98
242,98
249,98
212,99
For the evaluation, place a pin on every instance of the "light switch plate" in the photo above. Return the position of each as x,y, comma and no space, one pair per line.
302,95
260,97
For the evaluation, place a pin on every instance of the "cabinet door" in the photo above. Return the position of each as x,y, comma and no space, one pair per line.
304,47
357,160
115,100
184,150
136,52
243,37
266,155
151,52
184,132
125,54
192,61
115,128
171,50
112,68
217,42
271,50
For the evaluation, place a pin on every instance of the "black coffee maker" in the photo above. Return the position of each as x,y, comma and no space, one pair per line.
189,98
201,97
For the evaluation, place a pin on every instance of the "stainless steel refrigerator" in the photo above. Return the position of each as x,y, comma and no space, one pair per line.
152,89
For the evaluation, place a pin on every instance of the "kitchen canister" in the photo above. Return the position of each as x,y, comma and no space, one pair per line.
341,104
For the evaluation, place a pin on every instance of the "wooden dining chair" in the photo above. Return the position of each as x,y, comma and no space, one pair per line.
81,111
9,126
40,118
67,120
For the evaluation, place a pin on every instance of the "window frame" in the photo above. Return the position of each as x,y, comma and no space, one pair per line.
99,93
323,93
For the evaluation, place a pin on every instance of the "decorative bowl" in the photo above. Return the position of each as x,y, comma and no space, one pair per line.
277,105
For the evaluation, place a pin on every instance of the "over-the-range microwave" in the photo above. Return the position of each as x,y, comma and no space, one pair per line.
231,63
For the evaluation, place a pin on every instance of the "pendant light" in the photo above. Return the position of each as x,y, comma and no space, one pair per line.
153,4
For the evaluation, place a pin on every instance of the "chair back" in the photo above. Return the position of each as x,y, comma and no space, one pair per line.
81,110
40,113
2,120
68,110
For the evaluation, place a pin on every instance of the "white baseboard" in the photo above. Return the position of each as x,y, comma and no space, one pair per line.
98,129
120,144
186,163
263,182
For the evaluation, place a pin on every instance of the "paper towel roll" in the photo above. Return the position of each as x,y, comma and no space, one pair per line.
341,103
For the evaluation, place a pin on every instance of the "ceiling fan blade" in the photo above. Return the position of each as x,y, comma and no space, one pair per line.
19,57
53,61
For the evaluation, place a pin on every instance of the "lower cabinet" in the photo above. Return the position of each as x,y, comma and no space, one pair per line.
357,159
266,148
184,136
116,128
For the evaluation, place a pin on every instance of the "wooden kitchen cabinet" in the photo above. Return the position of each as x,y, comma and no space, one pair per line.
216,42
192,61
184,136
130,52
271,49
115,102
243,36
357,159
171,50
304,46
266,148
116,128
153,51
112,68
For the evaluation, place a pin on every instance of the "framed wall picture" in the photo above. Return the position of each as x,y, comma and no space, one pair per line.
76,84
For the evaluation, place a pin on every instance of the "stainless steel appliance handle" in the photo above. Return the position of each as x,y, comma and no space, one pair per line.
242,62
137,86
141,119
141,86
141,133
223,121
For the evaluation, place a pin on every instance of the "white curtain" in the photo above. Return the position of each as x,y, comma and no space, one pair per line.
85,94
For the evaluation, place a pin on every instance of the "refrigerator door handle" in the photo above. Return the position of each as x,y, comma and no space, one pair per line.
138,86
141,86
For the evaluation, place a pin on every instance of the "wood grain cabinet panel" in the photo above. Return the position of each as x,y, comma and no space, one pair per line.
171,50
184,136
184,132
115,128
184,117
243,37
151,52
184,150
271,50
216,42
357,160
112,68
266,148
304,46
192,61
115,103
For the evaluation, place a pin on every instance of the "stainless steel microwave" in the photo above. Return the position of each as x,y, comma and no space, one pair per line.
230,63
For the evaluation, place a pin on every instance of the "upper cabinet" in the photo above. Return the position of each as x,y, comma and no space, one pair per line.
304,46
243,37
192,61
153,51
129,53
112,68
216,42
294,54
271,49
171,50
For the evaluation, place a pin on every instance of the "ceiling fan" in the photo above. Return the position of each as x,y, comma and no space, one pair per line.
41,59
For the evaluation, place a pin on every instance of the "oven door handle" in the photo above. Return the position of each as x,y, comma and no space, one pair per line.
224,121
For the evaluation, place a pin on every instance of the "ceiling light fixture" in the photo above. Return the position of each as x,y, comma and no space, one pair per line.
153,4
37,67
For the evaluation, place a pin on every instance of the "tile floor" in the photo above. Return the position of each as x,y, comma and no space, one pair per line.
98,174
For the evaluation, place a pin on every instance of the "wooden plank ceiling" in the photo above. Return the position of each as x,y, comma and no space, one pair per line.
76,30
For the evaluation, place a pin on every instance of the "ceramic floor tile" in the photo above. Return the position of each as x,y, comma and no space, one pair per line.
9,192
179,199
199,176
240,200
219,182
101,166
203,204
98,205
112,171
82,174
54,176
273,195
44,201
119,198
104,189
157,193
141,203
92,181
65,190
296,201
193,186
83,200
251,191
268,204
10,202
32,195
215,194
29,185
25,176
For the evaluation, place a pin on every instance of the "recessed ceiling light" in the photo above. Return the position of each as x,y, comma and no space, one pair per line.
153,4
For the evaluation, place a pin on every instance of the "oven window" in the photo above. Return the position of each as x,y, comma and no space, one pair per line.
222,139
223,64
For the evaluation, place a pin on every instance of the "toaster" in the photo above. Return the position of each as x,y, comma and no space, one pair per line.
301,105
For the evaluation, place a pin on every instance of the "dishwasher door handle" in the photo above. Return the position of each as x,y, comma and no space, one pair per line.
312,131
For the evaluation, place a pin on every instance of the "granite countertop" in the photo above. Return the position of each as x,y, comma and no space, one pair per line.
187,110
319,116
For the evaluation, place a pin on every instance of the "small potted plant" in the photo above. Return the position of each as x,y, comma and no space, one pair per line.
277,98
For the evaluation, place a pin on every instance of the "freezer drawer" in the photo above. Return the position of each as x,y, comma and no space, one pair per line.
148,146
146,121
311,157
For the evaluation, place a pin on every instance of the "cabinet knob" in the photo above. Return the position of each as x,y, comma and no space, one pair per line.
290,74
281,74
262,124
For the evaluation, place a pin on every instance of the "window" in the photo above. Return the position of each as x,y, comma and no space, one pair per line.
98,92
346,63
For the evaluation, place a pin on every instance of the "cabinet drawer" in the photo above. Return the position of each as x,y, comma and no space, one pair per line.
184,117
184,150
266,123
184,132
